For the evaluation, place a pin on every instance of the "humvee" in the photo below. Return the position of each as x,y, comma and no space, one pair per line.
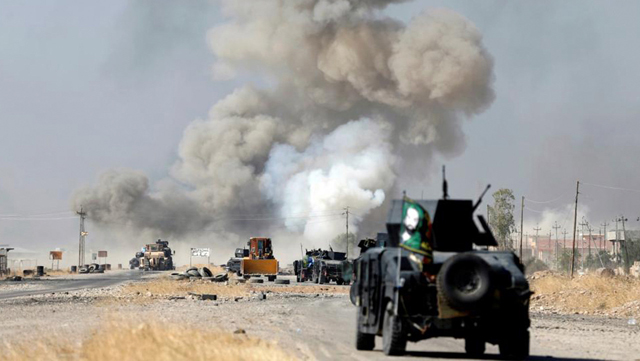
467,291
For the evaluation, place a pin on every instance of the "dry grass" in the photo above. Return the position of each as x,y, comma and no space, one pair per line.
588,293
149,341
169,287
50,272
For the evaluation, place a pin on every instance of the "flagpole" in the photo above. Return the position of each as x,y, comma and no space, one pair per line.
399,260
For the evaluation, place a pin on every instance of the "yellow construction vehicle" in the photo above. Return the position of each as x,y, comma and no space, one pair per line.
260,260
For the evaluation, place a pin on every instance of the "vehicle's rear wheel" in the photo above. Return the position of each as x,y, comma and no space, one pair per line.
515,345
394,340
339,282
474,346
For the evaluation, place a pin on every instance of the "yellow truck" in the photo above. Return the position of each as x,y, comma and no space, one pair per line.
260,260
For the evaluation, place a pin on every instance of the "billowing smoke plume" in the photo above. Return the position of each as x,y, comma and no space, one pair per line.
339,90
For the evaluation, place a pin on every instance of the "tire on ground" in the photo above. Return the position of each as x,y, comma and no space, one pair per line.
394,338
280,281
464,281
364,341
515,345
205,272
256,280
474,346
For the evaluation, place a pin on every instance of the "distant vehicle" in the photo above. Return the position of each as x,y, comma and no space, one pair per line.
321,266
154,257
478,295
234,263
260,260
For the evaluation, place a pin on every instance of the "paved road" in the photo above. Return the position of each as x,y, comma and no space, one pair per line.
332,337
73,283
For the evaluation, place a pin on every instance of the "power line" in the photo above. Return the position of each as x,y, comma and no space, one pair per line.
549,201
36,219
613,188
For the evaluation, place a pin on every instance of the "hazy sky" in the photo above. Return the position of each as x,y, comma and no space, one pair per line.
89,86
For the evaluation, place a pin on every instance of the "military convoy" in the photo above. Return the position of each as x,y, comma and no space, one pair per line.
466,291
154,257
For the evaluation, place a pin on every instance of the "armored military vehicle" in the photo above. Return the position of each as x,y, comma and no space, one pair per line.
154,257
464,291
321,266
233,264
329,266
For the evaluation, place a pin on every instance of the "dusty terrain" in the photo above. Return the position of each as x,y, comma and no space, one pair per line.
302,322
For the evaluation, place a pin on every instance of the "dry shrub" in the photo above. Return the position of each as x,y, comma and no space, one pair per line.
169,287
147,341
585,293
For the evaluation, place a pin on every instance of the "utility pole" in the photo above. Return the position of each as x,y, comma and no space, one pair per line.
556,227
564,239
626,246
83,235
604,238
521,222
346,212
575,223
537,229
586,224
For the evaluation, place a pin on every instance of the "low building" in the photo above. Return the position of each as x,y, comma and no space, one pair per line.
3,260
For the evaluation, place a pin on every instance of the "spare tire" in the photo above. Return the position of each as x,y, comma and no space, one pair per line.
464,281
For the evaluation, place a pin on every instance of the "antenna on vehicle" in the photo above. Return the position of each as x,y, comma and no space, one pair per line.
480,199
445,186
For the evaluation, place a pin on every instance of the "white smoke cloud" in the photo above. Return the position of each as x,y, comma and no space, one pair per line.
346,84
349,167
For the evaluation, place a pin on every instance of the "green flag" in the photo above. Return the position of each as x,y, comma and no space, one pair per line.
415,230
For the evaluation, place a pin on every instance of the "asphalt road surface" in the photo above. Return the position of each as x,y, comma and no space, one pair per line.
73,283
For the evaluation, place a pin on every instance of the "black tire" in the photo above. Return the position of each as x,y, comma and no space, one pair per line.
364,341
464,281
205,272
271,278
474,346
256,280
280,281
339,282
394,339
515,345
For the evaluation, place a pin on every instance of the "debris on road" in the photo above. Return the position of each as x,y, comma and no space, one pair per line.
203,296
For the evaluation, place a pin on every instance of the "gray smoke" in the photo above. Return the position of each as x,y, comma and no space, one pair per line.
347,90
